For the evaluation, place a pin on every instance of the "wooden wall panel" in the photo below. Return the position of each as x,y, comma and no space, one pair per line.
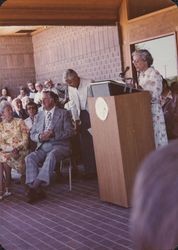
16,63
153,25
138,8
147,27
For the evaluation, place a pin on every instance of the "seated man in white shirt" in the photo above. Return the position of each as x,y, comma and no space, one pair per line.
31,90
78,93
38,95
50,86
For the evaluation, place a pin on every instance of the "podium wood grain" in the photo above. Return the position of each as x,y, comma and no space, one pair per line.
121,142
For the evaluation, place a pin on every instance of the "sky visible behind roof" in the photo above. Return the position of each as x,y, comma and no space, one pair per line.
164,54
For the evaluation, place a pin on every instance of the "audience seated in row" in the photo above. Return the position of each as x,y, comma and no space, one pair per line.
38,95
5,95
23,96
49,85
52,144
31,110
31,90
166,94
19,111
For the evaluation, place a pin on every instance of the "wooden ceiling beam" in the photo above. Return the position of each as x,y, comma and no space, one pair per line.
57,17
58,4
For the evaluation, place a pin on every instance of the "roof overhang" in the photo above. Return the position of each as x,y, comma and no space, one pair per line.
59,12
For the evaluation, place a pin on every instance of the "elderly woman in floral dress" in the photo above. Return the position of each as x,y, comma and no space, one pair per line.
150,79
13,146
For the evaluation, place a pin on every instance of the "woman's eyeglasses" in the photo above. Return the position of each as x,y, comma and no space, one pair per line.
28,108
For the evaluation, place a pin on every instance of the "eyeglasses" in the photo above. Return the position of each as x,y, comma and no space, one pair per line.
31,108
138,60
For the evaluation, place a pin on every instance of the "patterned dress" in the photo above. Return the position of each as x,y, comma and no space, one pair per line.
13,135
151,81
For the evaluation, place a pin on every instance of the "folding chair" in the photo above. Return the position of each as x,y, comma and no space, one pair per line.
67,159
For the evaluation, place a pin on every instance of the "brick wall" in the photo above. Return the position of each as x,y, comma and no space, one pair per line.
16,62
92,51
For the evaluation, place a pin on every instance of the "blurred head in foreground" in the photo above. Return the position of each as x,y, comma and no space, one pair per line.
155,201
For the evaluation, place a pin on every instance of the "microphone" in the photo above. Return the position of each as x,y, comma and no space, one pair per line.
175,2
122,74
2,1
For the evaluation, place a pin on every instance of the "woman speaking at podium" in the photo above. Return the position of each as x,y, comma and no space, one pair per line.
151,80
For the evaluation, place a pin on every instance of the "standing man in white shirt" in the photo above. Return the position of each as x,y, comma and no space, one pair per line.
78,93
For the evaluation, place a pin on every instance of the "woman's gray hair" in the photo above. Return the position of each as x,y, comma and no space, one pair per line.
145,55
69,74
155,204
4,104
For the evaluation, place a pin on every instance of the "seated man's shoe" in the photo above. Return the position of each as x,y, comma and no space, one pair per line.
31,196
35,195
41,194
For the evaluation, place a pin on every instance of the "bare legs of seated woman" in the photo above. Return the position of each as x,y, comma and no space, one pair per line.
5,178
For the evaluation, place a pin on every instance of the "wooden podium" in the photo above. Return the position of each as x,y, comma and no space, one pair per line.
121,142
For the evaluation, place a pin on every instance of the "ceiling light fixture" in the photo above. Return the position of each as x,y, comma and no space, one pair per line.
2,1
